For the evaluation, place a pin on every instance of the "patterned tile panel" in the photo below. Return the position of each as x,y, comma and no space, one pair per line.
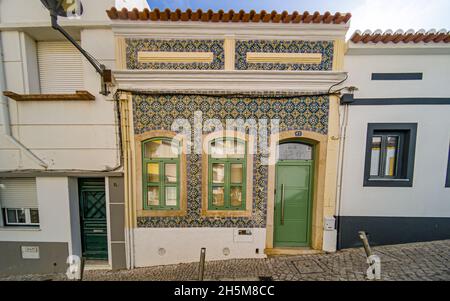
157,112
279,46
133,46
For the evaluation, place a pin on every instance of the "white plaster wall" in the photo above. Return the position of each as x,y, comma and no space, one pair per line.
428,197
78,135
54,214
183,245
435,69
13,12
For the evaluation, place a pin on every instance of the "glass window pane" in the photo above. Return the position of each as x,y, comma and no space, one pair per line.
11,216
218,149
218,173
21,216
227,149
235,149
236,196
375,158
34,216
171,196
236,173
170,173
295,151
161,149
153,172
218,198
391,156
153,196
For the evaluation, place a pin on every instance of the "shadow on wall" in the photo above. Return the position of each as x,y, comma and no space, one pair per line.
391,230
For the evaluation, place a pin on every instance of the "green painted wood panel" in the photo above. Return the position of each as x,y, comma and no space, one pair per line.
293,204
93,218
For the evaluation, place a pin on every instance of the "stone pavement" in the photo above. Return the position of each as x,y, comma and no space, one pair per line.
418,261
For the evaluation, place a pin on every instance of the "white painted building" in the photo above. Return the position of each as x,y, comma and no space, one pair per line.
48,147
399,85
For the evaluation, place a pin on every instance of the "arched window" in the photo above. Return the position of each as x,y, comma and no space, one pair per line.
227,179
294,150
161,174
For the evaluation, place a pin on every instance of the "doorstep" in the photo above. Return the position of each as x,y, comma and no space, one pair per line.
96,265
291,251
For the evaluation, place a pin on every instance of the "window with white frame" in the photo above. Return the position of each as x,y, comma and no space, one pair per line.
18,201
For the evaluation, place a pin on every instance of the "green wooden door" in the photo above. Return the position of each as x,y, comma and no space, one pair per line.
293,204
93,218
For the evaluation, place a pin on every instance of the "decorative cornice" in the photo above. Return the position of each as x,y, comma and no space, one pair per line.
249,31
397,49
234,81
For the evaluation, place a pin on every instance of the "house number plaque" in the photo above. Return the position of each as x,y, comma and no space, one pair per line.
298,134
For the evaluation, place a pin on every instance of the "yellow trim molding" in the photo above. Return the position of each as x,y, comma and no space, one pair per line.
229,47
284,58
174,57
338,55
121,56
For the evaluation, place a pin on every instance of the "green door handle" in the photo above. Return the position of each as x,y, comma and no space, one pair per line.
282,204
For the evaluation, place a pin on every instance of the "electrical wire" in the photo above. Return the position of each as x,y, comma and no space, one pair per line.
339,83
263,94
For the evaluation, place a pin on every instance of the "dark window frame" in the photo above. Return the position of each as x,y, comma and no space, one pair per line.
406,158
397,76
447,181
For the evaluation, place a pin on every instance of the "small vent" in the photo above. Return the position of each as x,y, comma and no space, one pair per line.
397,76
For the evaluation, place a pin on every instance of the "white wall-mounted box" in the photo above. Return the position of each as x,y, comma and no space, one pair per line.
30,252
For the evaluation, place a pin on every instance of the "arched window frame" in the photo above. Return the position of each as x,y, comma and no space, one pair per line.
227,184
162,184
249,197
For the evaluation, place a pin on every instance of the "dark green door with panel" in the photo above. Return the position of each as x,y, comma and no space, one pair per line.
293,202
93,218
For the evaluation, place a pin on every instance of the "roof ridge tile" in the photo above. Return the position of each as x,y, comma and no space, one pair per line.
410,36
230,16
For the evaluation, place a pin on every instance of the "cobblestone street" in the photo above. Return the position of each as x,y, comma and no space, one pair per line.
419,261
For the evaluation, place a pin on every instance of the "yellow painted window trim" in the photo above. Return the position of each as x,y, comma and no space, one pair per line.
284,58
174,57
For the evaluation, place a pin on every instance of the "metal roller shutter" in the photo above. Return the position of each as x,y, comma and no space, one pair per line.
18,193
60,67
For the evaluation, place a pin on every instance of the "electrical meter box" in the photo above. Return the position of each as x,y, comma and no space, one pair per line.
329,223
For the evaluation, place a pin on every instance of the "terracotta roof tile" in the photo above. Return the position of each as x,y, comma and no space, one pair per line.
230,16
410,36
